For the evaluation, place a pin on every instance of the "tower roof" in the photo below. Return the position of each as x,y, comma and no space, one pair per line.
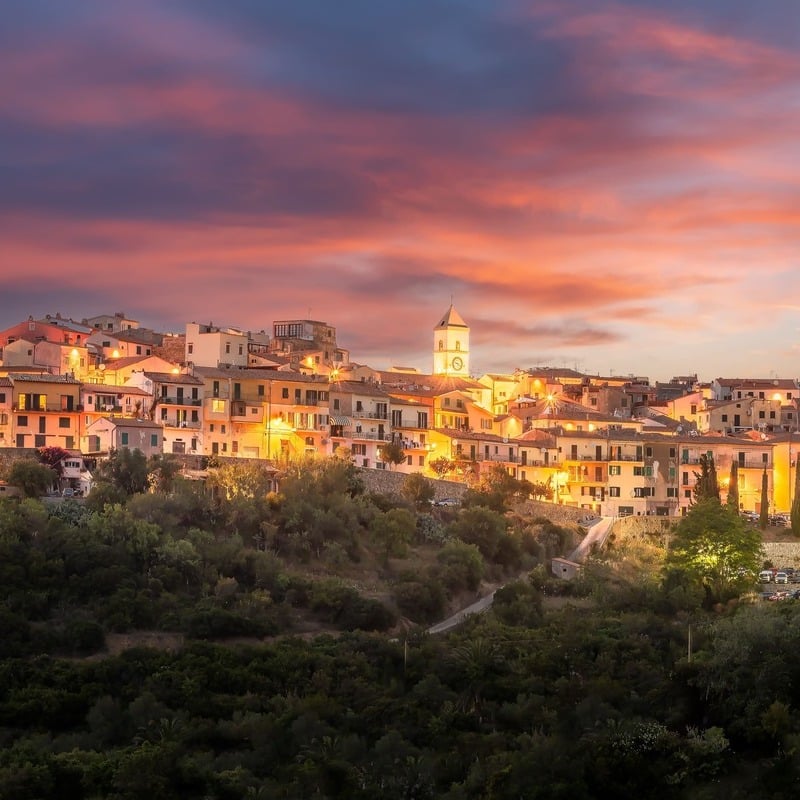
452,319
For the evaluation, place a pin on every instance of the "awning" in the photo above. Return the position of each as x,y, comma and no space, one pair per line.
339,420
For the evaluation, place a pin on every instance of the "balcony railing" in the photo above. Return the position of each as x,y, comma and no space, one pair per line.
369,415
181,401
497,457
171,423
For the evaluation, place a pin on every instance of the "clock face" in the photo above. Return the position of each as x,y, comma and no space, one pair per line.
457,363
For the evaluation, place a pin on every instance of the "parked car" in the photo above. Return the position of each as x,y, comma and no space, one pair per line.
68,492
765,576
781,577
447,501
777,520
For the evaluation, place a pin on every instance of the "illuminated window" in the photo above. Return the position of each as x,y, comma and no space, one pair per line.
218,406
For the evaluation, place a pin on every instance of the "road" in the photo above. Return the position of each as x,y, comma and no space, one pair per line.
596,534
477,607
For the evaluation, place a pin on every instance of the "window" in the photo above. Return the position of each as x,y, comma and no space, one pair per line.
761,415
685,478
153,440
614,469
227,347
298,394
687,492
772,415
223,429
672,491
63,422
593,401
215,388
163,414
359,405
218,406
648,451
672,452
422,419
446,401
190,348
397,418
22,421
441,345
235,444
409,460
693,408
421,461
123,438
241,351
458,345
724,417
260,389
613,491
285,393
195,417
2,397
138,350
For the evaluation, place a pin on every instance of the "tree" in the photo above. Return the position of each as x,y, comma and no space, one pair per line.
392,453
125,470
33,478
418,490
706,486
52,456
796,500
393,531
733,488
441,466
763,516
717,548
241,479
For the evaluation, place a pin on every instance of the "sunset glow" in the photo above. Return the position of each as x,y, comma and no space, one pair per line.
611,186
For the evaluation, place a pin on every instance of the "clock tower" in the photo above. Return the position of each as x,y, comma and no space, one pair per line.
451,345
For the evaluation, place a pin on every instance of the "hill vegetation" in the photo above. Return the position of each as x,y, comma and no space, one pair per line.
574,690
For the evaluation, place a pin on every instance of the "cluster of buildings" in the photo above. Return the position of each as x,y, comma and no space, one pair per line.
612,445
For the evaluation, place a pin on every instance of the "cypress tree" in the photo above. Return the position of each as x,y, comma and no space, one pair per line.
763,517
733,488
706,486
796,500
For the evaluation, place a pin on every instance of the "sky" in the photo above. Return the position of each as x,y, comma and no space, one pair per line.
607,186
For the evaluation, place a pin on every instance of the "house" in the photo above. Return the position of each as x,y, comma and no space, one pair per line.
114,433
175,399
75,473
44,410
210,346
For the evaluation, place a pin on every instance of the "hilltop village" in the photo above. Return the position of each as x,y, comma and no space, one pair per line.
614,446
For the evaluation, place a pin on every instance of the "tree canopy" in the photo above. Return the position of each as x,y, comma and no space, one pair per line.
716,548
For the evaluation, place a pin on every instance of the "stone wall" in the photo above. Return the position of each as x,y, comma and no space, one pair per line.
384,481
8,455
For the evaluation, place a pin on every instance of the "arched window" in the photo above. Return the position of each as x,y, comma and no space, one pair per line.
458,345
441,344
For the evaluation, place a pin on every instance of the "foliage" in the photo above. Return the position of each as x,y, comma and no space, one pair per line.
52,456
125,469
482,527
763,516
33,478
461,566
245,478
393,531
733,488
441,466
706,486
716,548
795,511
392,453
417,489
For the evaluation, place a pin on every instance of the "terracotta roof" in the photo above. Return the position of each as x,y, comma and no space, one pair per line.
42,378
170,377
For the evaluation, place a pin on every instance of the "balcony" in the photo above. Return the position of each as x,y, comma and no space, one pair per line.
245,412
181,401
171,423
498,458
369,415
